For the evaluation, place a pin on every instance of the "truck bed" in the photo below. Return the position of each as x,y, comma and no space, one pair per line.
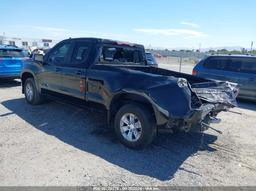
160,71
207,90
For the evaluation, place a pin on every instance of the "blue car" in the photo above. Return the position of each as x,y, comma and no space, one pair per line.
11,61
151,61
240,69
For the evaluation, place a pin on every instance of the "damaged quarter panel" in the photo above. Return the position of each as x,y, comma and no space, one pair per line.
167,98
175,101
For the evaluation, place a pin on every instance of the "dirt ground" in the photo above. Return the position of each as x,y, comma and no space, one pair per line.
58,144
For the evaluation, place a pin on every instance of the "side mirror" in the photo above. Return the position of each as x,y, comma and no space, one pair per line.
39,58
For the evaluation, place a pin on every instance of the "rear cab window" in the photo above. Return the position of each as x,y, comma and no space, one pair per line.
122,55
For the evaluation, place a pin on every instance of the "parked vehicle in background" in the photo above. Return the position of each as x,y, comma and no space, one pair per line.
151,60
240,69
38,51
139,100
11,61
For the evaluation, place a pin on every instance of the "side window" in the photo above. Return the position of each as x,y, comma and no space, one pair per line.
234,65
249,66
216,63
58,56
81,53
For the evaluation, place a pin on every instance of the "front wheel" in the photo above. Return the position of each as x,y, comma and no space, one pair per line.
135,126
32,95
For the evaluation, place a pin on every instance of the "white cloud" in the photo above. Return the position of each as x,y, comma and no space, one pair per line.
50,29
60,33
51,32
174,32
194,25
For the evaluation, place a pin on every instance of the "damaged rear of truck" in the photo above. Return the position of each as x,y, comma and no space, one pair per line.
182,102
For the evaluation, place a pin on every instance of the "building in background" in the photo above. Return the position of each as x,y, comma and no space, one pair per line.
28,43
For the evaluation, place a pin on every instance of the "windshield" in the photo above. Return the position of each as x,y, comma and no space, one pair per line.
16,53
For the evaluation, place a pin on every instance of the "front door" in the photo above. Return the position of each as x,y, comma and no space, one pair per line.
51,77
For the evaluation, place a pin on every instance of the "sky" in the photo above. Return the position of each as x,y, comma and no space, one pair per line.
155,23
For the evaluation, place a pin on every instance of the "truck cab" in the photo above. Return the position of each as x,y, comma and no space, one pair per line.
75,65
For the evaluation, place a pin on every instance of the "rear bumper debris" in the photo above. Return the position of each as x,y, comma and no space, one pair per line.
213,98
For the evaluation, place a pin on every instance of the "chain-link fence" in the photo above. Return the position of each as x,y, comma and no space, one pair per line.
179,64
181,61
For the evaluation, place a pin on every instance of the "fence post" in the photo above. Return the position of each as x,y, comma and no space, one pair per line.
180,64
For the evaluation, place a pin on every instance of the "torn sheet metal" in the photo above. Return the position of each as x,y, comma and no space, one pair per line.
217,92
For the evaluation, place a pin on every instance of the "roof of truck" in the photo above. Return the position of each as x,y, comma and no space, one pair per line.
108,41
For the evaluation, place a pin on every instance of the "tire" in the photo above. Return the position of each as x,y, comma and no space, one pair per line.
138,134
32,95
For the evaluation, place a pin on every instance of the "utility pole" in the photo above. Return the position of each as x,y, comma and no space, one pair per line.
3,38
180,63
200,46
251,47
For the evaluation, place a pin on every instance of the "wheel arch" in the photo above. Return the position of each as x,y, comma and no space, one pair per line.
25,75
127,97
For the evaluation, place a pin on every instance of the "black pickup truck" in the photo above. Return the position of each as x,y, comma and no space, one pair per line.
139,100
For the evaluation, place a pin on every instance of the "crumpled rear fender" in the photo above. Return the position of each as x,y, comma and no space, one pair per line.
171,100
175,102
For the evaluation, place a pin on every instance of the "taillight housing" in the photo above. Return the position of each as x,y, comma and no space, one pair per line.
194,72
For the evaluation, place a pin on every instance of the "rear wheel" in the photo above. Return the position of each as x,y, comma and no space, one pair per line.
32,95
135,126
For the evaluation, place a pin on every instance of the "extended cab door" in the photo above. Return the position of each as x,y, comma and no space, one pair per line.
51,77
104,78
74,70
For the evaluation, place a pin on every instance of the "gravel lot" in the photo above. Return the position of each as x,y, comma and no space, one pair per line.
59,144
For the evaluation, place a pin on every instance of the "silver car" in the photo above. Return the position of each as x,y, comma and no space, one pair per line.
240,69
